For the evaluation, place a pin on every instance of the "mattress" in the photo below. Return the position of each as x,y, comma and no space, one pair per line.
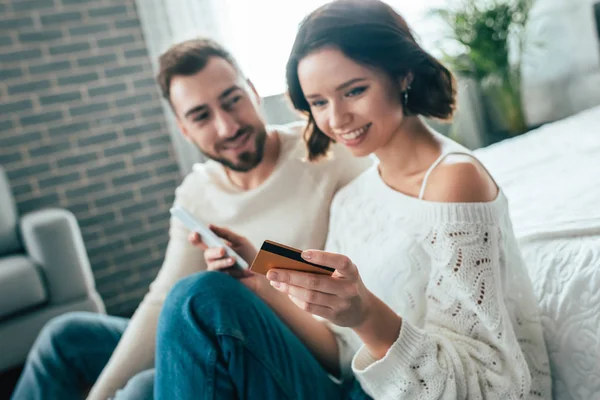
551,177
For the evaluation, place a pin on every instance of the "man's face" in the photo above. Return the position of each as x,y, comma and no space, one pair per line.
218,111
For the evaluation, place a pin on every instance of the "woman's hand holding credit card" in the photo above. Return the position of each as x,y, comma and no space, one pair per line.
321,283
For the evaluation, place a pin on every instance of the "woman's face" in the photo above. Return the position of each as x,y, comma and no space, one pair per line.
351,103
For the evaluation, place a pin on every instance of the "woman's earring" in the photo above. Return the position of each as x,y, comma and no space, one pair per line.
406,95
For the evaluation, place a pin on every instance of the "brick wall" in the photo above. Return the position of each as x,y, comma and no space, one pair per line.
81,127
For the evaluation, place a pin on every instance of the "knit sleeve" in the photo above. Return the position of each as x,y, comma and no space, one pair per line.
466,347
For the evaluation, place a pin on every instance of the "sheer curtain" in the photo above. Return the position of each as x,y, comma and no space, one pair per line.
259,33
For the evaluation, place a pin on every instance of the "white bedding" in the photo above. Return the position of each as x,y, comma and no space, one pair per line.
551,177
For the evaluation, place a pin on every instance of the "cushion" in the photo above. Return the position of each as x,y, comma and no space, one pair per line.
564,267
21,285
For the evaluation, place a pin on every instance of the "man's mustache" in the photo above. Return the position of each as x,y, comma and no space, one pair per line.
238,134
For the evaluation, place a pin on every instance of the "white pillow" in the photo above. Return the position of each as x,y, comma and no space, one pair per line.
565,271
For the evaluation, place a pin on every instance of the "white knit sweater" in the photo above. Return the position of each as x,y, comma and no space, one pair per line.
454,273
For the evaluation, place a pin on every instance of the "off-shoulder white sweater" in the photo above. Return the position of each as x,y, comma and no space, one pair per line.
454,273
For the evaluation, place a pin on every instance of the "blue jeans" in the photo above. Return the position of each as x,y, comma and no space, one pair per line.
217,340
69,355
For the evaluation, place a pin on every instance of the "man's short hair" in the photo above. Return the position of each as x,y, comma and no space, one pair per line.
188,58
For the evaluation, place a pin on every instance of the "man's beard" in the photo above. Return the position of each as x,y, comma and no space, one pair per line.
246,161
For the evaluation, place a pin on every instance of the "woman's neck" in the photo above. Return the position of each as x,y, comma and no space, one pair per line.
408,154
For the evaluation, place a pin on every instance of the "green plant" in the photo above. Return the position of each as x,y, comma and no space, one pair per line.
485,41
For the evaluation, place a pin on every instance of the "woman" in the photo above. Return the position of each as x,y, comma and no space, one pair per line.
430,298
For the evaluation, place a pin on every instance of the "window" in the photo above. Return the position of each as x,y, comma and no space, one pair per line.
260,33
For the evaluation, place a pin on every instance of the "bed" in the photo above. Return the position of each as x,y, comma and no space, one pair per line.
551,177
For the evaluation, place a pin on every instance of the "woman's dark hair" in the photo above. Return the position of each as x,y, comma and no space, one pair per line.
371,33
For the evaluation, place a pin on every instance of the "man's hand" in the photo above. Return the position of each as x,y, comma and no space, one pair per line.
217,260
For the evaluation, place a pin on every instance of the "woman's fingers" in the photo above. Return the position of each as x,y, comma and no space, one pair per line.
315,282
342,264
321,311
312,297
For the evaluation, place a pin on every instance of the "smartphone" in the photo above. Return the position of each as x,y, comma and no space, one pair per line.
276,255
208,236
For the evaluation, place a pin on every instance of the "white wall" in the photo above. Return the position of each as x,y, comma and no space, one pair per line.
561,61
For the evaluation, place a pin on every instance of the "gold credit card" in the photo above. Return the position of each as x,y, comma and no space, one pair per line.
276,255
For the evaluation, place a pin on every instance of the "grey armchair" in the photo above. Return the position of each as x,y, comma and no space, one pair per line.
44,272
